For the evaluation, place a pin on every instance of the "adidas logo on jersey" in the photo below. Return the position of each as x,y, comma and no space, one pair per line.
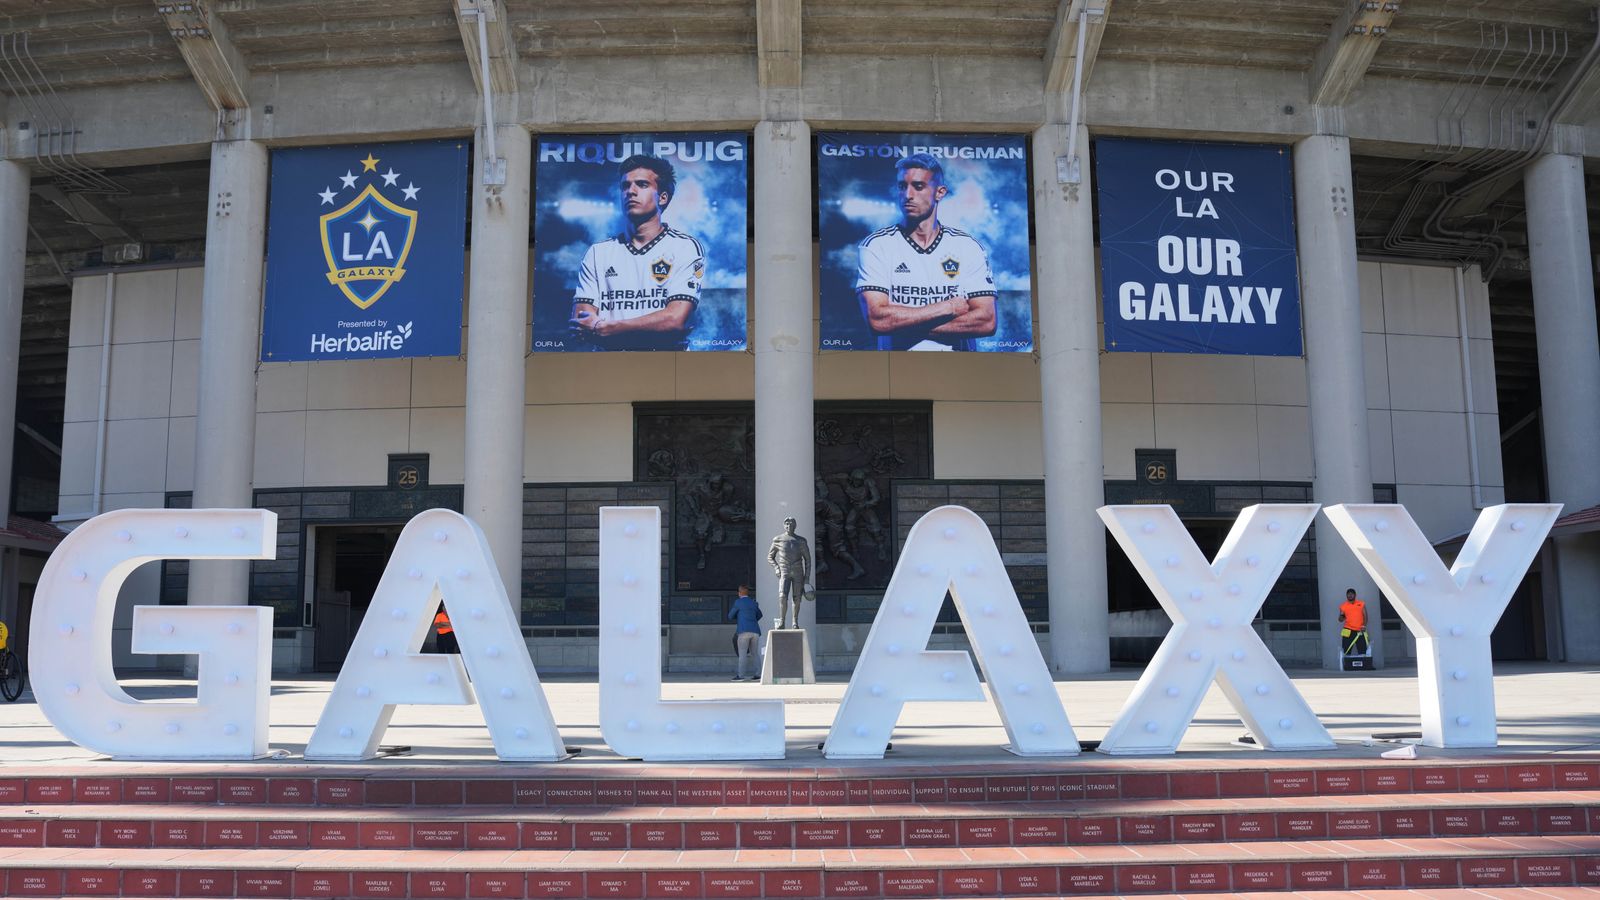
611,271
902,268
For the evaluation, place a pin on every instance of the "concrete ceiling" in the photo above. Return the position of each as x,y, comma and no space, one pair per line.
97,42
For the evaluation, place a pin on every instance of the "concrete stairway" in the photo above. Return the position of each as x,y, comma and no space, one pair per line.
1081,827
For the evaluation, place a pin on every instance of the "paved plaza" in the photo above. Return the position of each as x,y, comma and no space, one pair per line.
1543,708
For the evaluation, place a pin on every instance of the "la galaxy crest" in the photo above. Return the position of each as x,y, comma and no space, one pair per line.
660,269
366,241
951,266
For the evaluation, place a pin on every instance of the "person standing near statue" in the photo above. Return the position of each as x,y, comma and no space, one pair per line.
747,631
790,557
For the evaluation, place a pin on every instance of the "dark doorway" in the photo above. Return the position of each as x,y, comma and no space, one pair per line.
348,561
1519,635
1127,594
1125,588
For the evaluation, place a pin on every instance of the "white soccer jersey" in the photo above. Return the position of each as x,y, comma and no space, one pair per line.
953,265
625,282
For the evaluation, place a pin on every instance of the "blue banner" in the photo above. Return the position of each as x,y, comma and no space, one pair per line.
924,241
1197,247
366,249
639,242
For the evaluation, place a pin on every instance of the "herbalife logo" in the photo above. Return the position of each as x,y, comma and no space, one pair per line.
378,338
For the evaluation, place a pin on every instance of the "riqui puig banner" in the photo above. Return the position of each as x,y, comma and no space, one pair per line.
1197,247
366,251
924,242
639,242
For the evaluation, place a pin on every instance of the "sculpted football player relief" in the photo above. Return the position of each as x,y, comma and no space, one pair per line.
640,243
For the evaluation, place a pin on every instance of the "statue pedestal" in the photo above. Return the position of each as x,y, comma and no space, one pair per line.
788,658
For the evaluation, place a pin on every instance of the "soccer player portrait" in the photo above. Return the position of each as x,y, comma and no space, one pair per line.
639,289
924,285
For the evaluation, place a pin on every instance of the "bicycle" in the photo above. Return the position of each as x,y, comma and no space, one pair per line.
12,678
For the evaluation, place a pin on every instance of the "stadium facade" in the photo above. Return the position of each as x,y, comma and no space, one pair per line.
1444,354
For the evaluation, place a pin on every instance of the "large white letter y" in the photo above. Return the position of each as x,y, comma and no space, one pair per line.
1451,613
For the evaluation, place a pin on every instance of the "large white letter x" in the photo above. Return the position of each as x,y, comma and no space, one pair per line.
1211,605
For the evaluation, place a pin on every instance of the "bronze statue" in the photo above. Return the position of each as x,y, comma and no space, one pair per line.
790,557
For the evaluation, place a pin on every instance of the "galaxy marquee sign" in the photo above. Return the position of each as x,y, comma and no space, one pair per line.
443,556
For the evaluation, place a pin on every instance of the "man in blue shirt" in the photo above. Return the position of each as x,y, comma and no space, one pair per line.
748,631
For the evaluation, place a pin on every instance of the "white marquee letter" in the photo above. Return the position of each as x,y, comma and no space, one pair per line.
440,555
634,719
70,652
1451,613
950,548
1211,605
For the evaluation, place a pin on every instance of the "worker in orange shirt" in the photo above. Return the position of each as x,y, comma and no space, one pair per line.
444,633
1353,617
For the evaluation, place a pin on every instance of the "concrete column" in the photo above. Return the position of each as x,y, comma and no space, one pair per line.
785,343
497,345
1569,360
1330,299
1069,376
230,331
15,182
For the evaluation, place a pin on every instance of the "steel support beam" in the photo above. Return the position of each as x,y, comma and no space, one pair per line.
778,43
1061,50
502,44
202,37
1345,56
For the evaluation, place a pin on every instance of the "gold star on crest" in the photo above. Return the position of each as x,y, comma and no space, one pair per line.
367,221
369,164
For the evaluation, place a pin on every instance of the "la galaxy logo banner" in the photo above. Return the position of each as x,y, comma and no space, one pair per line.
366,252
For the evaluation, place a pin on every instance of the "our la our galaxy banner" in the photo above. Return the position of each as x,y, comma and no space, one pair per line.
366,251
640,242
1197,247
924,241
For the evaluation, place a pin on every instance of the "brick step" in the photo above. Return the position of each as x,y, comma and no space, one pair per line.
1030,871
1551,892
905,825
1086,778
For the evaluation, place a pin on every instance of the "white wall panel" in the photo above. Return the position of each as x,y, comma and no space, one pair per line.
1281,380
146,305
1425,373
1124,428
281,449
1214,442
141,380
440,432
1419,300
588,442
360,384
1430,448
1126,378
987,440
845,375
1285,441
1203,378
351,446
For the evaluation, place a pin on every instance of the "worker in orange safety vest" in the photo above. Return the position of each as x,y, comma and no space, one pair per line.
444,632
1353,617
